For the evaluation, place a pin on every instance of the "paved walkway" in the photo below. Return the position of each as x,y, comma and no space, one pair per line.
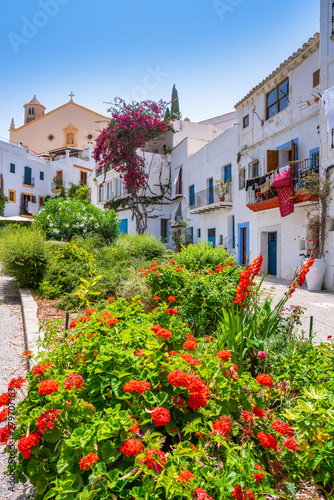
320,305
12,345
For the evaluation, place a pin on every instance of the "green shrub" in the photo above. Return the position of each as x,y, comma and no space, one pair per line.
202,256
139,246
24,254
62,218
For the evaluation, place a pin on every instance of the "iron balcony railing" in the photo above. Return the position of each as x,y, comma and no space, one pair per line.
207,197
299,171
28,180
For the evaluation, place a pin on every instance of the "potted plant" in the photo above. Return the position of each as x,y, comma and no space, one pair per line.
222,188
317,185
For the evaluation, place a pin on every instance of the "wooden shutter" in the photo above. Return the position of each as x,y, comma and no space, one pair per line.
22,203
293,150
33,199
272,160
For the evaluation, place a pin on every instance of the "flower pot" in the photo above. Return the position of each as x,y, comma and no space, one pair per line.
315,276
221,198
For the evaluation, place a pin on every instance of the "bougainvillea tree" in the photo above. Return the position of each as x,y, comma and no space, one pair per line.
117,147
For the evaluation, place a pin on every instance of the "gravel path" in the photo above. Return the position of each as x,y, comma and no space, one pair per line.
12,345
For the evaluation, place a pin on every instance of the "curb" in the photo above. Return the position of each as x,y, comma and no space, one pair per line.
30,322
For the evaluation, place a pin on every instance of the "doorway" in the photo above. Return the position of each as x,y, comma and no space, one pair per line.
243,243
272,253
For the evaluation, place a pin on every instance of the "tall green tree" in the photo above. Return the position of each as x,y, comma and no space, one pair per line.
167,114
175,105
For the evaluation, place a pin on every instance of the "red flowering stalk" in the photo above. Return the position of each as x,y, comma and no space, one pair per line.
246,280
223,355
89,312
186,476
48,387
160,416
154,459
137,386
47,420
132,447
265,380
201,494
300,276
40,369
73,381
105,315
27,442
16,383
88,460
290,444
267,440
223,426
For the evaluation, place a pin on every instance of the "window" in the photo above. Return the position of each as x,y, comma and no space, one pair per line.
90,137
109,190
51,137
278,99
253,169
101,194
242,178
272,160
83,177
315,160
59,179
316,78
191,234
11,196
41,176
28,180
12,168
198,232
192,195
210,191
332,30
41,201
227,173
245,121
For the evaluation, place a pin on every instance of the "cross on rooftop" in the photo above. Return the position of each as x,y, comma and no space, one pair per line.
71,95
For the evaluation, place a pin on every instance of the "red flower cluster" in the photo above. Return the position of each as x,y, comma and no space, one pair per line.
258,413
132,447
265,380
197,400
246,278
47,420
160,416
16,383
89,312
247,416
48,387
3,415
290,444
258,476
88,460
223,355
73,324
282,428
164,333
84,319
73,381
40,369
27,442
242,493
186,476
154,459
195,384
173,353
112,321
190,344
179,402
110,299
171,298
223,426
201,494
301,275
178,378
139,353
170,310
190,360
27,353
134,427
137,386
267,440
4,399
106,314
5,433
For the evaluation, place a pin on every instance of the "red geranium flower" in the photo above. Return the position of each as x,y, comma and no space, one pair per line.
109,299
223,426
290,444
164,333
156,297
189,359
171,298
170,310
132,447
84,319
201,494
40,369
139,353
48,387
247,416
89,312
242,493
197,400
178,378
27,442
282,428
73,381
154,459
16,383
4,399
3,415
186,476
112,321
258,413
258,476
137,386
73,323
195,384
160,416
265,380
5,433
47,420
88,460
223,355
267,440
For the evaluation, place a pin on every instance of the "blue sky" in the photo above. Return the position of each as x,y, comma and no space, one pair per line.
215,51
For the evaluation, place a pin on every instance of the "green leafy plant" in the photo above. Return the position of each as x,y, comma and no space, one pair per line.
87,289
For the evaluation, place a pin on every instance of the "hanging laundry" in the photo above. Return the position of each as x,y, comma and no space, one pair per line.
265,186
283,183
328,102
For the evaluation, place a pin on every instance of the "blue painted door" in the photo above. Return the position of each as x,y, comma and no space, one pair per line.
191,234
211,197
123,226
243,243
227,172
272,253
212,236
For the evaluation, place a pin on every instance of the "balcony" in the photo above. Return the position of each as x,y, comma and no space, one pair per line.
57,185
269,200
28,181
208,201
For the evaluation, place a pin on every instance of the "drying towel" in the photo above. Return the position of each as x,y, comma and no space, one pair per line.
283,183
265,186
